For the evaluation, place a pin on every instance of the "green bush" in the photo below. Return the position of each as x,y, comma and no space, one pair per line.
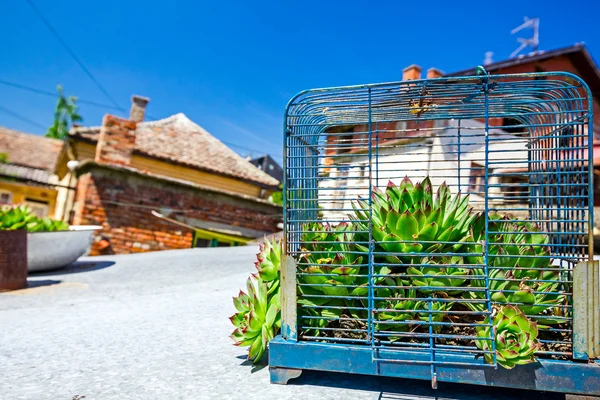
21,217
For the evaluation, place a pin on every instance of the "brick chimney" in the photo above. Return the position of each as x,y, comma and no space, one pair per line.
138,108
116,140
433,73
411,73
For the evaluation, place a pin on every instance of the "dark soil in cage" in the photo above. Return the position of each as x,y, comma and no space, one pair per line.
556,339
557,344
346,328
457,331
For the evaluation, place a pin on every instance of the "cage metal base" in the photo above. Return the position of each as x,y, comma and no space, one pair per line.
548,375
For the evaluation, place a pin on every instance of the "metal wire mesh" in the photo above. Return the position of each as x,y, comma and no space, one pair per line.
512,153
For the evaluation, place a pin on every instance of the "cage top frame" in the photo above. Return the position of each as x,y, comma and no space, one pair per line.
313,111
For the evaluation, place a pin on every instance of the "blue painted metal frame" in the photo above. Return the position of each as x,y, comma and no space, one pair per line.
486,89
547,375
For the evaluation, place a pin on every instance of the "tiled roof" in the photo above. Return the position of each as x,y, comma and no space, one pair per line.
26,173
29,150
180,140
30,157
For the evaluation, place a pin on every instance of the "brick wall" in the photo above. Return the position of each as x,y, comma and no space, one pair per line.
116,140
121,201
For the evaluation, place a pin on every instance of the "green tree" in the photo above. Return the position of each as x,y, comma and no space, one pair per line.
277,197
65,114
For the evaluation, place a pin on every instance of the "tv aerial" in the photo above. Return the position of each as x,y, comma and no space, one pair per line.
533,42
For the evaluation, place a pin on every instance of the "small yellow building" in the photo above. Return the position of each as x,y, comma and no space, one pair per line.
27,172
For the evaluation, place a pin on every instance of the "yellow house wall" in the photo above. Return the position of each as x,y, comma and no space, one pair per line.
193,175
85,151
21,192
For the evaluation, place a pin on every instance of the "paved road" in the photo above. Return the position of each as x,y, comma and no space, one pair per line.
154,326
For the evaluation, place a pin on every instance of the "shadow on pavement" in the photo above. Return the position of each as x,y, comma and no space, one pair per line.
407,389
76,267
262,364
46,282
412,389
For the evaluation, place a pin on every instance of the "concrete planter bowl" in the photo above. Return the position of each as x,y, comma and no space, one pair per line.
52,250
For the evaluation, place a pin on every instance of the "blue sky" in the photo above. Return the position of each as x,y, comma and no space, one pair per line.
231,66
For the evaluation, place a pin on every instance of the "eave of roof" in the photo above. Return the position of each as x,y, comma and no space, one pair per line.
214,171
26,174
86,165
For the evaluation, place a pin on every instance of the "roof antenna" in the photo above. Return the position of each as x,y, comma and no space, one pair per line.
532,42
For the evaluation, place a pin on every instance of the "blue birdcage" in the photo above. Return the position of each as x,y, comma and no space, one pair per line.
442,229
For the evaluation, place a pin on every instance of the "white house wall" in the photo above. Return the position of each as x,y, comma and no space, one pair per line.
436,157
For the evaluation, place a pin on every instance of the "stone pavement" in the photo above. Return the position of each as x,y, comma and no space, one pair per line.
155,326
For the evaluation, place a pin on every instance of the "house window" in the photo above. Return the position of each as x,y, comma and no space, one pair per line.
363,171
201,242
539,69
477,178
510,125
341,183
344,143
515,189
566,136
39,208
5,197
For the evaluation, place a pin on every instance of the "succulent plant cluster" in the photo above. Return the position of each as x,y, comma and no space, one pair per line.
427,258
399,309
515,339
520,271
258,316
332,274
412,219
328,262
